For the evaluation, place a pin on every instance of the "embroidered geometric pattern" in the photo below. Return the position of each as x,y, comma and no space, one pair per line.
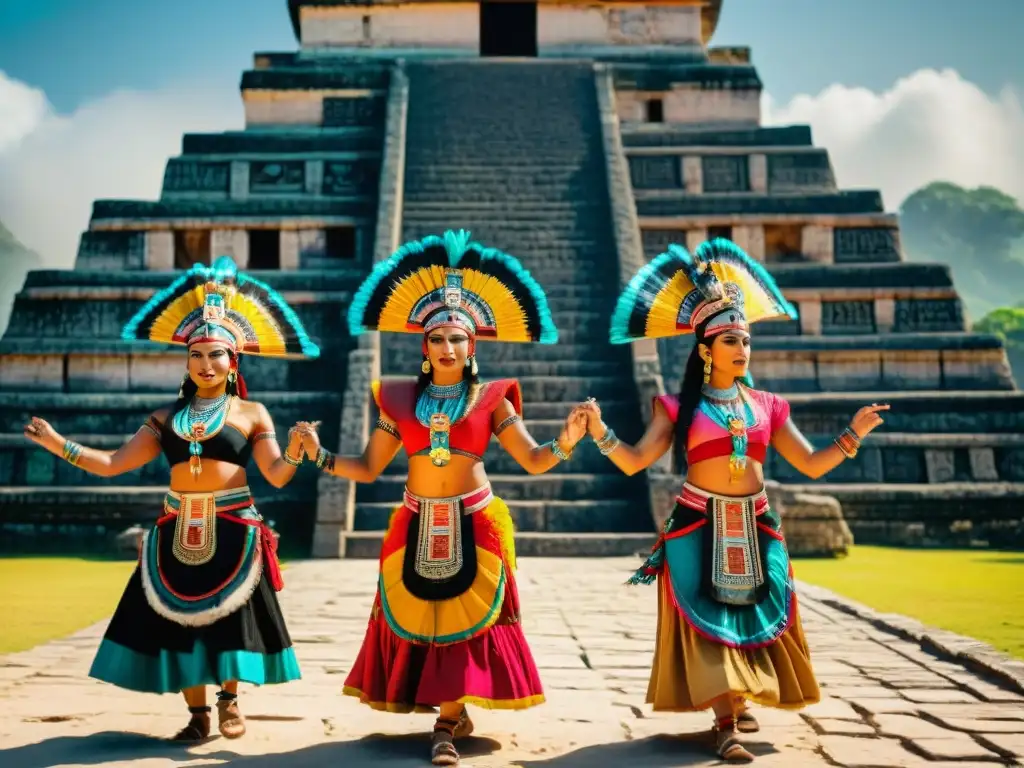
735,556
195,530
439,549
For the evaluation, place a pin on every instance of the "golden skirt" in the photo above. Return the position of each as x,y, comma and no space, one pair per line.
690,671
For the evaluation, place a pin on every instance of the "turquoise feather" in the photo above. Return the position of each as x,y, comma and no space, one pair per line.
619,332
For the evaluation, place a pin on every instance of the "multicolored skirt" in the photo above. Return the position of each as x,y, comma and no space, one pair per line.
728,621
201,607
444,626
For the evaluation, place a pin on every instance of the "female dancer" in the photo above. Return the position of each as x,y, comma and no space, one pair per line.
444,628
728,625
201,606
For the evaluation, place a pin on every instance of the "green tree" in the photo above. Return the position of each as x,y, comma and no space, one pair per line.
979,233
1008,324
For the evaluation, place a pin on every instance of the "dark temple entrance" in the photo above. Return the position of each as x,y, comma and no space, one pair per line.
508,28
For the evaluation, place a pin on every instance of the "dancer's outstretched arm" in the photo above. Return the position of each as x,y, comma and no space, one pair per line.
381,448
520,444
654,444
142,448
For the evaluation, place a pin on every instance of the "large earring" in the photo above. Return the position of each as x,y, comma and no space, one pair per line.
181,389
232,383
707,370
425,367
472,365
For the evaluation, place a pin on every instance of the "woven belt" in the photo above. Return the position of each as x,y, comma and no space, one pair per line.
697,498
235,500
471,502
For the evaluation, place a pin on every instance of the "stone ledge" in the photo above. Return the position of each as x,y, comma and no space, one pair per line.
974,655
103,347
890,342
901,492
139,211
295,280
78,402
923,401
670,203
658,135
319,140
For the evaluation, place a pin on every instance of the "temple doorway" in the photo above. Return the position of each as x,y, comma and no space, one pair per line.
508,29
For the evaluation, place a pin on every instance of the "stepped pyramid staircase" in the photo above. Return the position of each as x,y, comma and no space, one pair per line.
524,171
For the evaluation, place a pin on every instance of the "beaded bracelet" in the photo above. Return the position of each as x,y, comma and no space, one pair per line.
72,452
557,451
608,443
848,443
290,460
325,460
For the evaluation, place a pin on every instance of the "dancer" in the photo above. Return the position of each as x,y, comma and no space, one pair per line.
444,629
201,607
728,625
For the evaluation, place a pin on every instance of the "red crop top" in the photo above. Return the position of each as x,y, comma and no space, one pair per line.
707,440
470,434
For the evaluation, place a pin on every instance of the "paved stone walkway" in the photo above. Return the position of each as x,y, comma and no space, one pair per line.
887,704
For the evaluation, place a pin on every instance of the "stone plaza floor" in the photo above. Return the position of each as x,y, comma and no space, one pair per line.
886,702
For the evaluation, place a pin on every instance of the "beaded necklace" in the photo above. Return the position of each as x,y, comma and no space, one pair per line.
197,422
730,409
438,407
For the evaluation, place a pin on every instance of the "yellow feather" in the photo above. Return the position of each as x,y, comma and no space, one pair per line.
664,311
758,304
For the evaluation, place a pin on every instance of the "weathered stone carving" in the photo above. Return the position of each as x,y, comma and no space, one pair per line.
726,173
847,317
349,177
920,315
799,171
193,176
280,177
859,244
657,241
658,172
341,112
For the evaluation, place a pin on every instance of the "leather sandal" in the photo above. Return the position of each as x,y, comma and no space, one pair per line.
465,726
728,745
746,722
230,721
198,727
442,748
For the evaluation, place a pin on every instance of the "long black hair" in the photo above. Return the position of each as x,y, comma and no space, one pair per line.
689,397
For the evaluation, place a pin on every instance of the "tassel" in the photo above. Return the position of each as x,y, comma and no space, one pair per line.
243,391
270,561
652,567
195,465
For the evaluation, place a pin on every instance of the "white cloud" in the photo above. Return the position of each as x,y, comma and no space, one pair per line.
929,126
53,166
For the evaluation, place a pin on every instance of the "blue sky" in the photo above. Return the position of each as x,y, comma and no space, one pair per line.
79,50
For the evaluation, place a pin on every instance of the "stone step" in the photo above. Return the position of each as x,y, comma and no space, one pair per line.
656,204
87,364
24,464
388,488
367,544
114,284
86,519
536,516
546,203
919,514
664,135
120,413
97,313
925,412
900,458
364,207
523,169
282,141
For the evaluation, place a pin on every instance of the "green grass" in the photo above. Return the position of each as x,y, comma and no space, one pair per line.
44,598
977,593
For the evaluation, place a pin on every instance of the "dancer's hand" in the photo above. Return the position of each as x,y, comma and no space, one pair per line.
867,420
304,435
41,433
575,427
595,425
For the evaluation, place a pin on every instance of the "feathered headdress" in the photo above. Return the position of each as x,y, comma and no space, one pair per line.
450,280
676,292
220,304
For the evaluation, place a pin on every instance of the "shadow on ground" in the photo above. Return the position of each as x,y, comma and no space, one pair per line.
387,751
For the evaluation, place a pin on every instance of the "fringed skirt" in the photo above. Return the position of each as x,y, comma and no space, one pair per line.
444,626
201,607
728,621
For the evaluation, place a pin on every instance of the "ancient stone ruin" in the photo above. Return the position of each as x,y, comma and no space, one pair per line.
583,137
